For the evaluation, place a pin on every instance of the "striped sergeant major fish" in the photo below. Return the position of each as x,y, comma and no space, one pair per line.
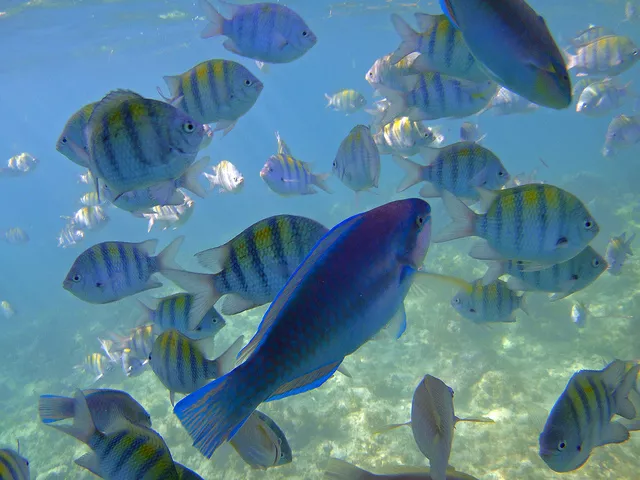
13,466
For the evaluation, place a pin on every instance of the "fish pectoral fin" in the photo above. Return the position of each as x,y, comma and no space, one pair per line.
398,323
231,46
388,428
280,41
306,382
615,432
91,462
172,398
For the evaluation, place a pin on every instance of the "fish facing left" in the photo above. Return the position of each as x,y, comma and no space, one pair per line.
377,252
110,271
340,470
493,302
13,466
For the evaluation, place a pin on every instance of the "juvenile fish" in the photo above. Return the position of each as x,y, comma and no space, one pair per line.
600,98
19,165
406,138
623,132
288,176
579,313
470,132
73,134
7,309
96,364
13,466
70,235
226,177
90,218
90,199
110,271
170,216
348,101
618,250
15,236
383,73
261,443
357,162
610,56
493,302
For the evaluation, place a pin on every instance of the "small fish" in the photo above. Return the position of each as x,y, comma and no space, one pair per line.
125,451
459,168
357,162
588,35
537,223
20,165
13,466
267,32
261,443
110,271
579,313
505,102
167,141
561,279
406,138
70,235
173,313
73,134
283,148
493,302
618,250
216,91
631,12
300,356
470,132
15,236
513,45
288,176
105,406
441,46
348,101
252,267
170,216
7,309
601,98
264,67
90,199
610,56
226,177
383,73
623,132
181,365
340,470
108,346
131,365
581,418
86,177
96,364
140,342
89,218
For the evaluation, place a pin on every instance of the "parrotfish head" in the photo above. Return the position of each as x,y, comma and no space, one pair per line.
185,134
553,86
560,446
413,229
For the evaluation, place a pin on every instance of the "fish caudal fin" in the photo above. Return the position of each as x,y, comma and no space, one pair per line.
166,259
189,179
216,21
83,427
329,101
52,408
494,271
341,470
409,36
624,407
215,259
213,414
413,172
464,219
320,180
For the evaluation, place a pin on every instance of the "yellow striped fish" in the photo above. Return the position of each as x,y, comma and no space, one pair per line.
288,176
110,271
13,466
216,91
610,55
73,134
96,364
357,162
493,302
348,101
581,418
406,138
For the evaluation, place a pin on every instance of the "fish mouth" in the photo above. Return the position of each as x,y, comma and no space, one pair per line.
264,171
66,284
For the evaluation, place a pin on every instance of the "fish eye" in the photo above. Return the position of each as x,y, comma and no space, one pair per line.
149,357
76,278
420,221
99,284
595,262
371,74
501,173
562,445
248,82
305,33
64,139
456,300
188,127
334,164
588,224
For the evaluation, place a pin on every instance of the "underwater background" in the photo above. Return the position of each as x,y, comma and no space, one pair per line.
56,56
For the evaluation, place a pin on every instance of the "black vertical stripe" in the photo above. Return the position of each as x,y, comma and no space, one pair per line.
275,226
296,237
8,461
182,347
124,460
171,321
238,274
605,415
585,402
125,263
518,212
133,135
196,94
105,157
254,259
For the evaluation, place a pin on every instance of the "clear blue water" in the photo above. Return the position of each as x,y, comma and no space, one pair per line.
56,56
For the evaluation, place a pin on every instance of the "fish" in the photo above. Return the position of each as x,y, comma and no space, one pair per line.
90,199
105,405
268,32
433,95
406,138
631,12
623,131
560,279
13,466
470,132
459,168
111,271
15,236
140,341
512,43
283,148
580,420
538,223
216,91
131,365
348,101
86,177
261,443
490,303
125,451
181,365
70,235
618,250
89,218
251,268
226,177
300,356
506,102
288,176
170,216
73,134
340,470
589,34
441,46
172,312
383,73
579,313
96,364
20,165
7,309
610,56
357,162
135,142
600,98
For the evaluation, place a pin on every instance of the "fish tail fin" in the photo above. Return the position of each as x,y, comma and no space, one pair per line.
212,178
494,271
627,245
216,24
214,413
320,180
409,39
464,219
189,179
202,287
227,361
397,104
624,407
152,222
522,304
329,100
341,470
83,427
166,259
413,172
52,408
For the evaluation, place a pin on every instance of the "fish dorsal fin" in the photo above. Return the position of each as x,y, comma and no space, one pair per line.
215,259
149,246
283,296
110,100
426,22
486,198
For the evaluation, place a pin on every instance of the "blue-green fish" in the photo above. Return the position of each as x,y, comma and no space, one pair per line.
110,271
105,406
288,176
261,443
493,302
252,267
268,32
537,223
135,142
126,451
181,365
618,250
216,91
357,162
623,131
72,137
581,418
13,466
515,48
348,101
356,277
441,46
459,168
173,312
600,98
609,56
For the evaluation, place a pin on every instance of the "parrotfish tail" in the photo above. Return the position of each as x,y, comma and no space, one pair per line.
216,21
464,219
320,180
53,408
341,470
189,179
409,36
213,414
413,173
166,259
83,427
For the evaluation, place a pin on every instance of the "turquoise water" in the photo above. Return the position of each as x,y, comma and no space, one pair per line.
56,56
